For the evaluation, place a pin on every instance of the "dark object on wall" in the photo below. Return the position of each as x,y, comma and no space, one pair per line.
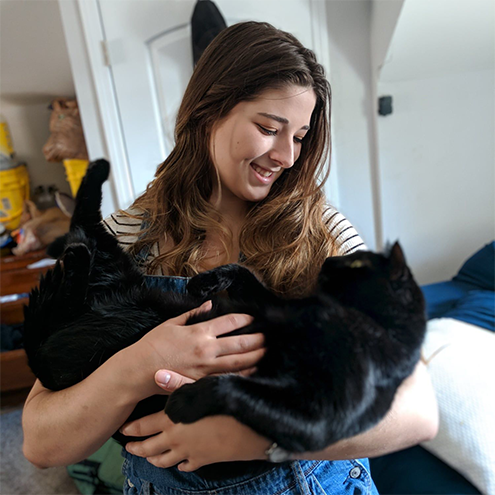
384,105
206,23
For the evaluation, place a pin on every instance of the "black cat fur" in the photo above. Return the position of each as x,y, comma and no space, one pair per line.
334,360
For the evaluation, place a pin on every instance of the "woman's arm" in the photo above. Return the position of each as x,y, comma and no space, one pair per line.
412,419
66,426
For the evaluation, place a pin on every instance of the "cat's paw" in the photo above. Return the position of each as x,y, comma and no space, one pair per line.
197,400
76,258
185,405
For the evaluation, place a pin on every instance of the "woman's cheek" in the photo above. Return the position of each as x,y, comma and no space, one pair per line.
254,145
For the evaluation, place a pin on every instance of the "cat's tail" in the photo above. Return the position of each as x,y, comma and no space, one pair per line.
88,200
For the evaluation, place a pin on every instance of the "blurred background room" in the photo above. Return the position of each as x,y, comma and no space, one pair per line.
412,159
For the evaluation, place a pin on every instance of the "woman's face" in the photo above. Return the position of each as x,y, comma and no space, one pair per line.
258,140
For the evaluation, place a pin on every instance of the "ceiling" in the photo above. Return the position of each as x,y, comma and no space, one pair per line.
440,37
34,63
431,38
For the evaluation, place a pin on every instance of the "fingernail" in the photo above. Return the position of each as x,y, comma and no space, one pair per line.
163,377
207,305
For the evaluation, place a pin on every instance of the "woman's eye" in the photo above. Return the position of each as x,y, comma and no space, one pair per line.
267,131
270,132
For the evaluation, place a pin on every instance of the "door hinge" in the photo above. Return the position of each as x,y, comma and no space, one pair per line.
106,54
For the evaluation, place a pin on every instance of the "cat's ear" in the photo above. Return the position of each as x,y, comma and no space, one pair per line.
398,267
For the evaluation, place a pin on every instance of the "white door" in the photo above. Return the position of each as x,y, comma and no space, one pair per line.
149,54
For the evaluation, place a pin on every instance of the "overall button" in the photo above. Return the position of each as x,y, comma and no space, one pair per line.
130,483
355,472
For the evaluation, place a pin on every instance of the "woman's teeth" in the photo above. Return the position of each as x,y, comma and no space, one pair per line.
262,171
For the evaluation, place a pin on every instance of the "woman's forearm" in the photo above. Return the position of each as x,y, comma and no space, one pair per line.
66,426
412,419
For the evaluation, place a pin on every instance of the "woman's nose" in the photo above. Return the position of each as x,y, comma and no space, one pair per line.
283,154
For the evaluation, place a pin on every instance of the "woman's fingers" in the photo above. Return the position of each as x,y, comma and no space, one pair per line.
227,323
182,319
237,362
239,344
170,380
165,460
148,425
149,447
248,372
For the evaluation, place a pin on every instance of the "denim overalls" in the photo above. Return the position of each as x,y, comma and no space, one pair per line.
245,478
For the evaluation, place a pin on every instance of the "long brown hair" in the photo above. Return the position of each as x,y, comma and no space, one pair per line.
284,238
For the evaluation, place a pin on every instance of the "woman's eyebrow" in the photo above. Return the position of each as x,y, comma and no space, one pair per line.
282,120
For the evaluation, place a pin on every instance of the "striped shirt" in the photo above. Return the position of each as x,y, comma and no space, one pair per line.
126,229
344,235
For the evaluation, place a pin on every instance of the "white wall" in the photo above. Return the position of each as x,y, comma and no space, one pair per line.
34,68
437,170
384,16
28,125
436,150
352,111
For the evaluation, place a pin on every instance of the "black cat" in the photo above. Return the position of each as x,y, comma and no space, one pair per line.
334,360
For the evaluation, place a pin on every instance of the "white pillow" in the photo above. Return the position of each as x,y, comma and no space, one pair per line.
462,368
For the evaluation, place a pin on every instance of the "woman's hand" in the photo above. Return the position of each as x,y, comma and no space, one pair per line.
209,440
212,439
194,351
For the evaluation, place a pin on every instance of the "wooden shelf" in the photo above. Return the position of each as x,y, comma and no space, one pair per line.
20,281
16,278
13,312
14,371
11,262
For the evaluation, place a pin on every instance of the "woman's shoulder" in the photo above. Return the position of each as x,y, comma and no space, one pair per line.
125,225
344,236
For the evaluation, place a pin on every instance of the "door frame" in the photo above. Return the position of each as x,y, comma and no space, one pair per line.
91,63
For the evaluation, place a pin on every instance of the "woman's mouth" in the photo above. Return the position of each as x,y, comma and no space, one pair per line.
262,174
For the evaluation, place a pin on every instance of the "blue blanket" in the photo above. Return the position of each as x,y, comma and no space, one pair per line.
470,295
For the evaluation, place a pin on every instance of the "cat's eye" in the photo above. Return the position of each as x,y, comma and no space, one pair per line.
357,264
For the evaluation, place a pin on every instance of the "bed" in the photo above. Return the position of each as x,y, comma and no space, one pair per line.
460,353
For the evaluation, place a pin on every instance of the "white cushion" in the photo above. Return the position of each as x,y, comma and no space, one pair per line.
462,368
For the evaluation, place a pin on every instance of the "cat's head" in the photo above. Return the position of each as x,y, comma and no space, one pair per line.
377,284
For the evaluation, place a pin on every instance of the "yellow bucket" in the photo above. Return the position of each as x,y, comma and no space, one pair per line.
14,189
75,171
